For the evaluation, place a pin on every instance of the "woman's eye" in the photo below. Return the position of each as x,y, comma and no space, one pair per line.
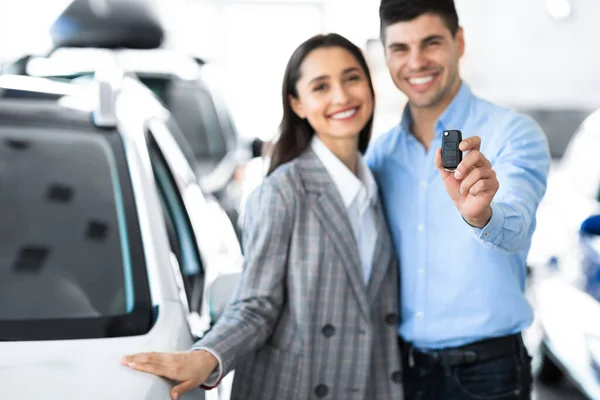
319,88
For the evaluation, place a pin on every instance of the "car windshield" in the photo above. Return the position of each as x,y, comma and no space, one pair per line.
192,107
70,249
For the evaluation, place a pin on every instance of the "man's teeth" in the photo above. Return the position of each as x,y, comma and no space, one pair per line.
344,114
421,81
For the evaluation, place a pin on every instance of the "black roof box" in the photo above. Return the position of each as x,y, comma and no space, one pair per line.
109,24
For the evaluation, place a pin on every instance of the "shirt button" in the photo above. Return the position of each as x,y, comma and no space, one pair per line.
391,319
321,390
420,315
421,271
423,185
328,330
421,227
486,234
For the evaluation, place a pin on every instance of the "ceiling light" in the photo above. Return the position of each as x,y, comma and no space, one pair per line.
559,9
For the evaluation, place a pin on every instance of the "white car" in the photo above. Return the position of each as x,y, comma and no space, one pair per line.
565,260
108,246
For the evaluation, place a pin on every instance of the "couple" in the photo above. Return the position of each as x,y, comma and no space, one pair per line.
320,311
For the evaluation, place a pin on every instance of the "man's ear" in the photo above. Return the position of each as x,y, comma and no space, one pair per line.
297,107
460,39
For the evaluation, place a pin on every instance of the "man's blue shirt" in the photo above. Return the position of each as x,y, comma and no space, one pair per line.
460,284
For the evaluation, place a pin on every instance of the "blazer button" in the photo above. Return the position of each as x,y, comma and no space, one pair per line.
391,319
328,330
321,390
397,377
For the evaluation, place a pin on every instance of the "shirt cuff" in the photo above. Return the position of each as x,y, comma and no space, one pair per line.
493,229
213,379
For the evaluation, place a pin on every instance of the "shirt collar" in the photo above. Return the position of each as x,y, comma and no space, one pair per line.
453,117
348,184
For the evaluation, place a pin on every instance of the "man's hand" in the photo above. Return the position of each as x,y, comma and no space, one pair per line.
473,185
190,369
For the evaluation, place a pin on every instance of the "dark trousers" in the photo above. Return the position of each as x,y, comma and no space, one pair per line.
503,377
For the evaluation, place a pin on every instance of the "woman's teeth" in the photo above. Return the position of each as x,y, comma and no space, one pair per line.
344,114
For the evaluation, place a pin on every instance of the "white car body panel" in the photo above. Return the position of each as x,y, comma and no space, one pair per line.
90,368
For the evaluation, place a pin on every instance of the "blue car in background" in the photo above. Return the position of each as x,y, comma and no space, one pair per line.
565,263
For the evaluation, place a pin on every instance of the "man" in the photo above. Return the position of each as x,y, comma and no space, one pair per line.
462,237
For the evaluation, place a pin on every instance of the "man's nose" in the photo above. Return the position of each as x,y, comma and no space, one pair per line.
416,60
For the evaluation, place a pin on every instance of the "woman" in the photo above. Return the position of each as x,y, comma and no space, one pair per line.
315,312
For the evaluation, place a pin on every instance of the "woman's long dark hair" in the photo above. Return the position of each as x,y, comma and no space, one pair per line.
295,133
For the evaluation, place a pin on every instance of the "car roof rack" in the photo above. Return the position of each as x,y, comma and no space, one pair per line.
109,80
70,62
18,86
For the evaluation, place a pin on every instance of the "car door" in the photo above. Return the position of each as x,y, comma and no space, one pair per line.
202,237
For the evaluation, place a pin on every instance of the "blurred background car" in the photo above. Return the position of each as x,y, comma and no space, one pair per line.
565,260
110,246
130,34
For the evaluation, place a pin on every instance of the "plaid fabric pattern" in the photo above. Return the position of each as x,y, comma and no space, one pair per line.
303,324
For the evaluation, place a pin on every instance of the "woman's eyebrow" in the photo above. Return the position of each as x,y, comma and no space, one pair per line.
319,78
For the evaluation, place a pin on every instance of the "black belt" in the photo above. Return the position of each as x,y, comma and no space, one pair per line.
468,354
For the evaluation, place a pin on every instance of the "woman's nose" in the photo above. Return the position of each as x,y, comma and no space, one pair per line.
339,94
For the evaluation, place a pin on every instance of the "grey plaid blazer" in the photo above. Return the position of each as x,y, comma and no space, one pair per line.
303,324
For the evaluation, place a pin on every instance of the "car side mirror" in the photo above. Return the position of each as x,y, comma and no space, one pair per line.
591,226
257,148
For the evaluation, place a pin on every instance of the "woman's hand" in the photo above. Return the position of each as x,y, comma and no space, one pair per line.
190,369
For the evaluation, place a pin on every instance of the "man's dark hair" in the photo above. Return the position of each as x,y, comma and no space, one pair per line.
393,11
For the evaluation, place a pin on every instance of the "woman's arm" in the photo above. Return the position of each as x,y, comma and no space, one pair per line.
250,318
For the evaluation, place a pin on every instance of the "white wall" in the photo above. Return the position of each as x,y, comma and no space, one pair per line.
250,41
24,25
517,53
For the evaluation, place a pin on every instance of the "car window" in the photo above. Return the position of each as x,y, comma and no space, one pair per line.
180,231
70,248
214,80
559,125
581,161
181,140
158,86
194,111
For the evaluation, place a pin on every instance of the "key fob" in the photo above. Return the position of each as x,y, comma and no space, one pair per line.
451,155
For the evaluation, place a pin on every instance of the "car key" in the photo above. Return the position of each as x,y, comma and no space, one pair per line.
451,154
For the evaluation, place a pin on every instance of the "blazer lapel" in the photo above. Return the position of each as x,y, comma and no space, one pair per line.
327,205
382,256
